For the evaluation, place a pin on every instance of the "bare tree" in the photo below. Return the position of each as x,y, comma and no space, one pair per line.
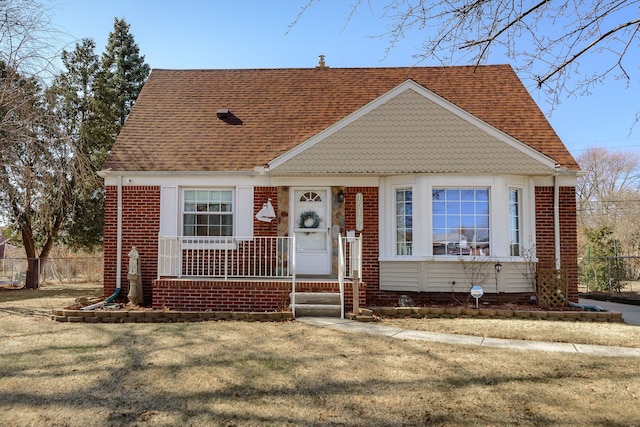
608,203
38,164
548,40
610,188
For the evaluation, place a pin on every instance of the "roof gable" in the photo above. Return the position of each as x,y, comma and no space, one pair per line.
411,130
173,125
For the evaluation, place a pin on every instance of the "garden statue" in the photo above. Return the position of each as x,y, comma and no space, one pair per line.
133,275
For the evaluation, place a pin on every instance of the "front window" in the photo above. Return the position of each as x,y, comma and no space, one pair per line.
404,221
461,221
514,221
208,213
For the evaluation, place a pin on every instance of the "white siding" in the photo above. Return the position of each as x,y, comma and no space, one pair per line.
513,278
449,276
399,276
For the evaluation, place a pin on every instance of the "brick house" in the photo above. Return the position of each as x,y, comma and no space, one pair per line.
236,186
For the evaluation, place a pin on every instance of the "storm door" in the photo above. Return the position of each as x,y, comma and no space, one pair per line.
311,224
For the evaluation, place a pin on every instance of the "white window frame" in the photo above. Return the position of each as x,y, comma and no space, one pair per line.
461,188
214,242
395,219
520,224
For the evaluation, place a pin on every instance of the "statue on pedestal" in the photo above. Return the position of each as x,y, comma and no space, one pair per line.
133,275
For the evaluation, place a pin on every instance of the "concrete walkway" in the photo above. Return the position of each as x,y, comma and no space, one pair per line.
377,329
630,313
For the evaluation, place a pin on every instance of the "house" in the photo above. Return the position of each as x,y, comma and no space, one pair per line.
6,248
237,186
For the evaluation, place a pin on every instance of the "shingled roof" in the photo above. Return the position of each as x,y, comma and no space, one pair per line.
173,125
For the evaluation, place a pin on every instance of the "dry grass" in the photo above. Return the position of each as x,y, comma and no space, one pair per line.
235,373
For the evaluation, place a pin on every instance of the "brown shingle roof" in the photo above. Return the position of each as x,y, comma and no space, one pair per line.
173,125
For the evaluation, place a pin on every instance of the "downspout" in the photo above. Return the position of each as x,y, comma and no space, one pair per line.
556,217
118,255
118,246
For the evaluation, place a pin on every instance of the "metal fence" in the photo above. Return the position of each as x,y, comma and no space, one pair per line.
13,271
610,273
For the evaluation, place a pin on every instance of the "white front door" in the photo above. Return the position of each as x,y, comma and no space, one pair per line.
311,223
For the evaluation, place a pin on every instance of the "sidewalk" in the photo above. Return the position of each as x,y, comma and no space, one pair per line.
377,329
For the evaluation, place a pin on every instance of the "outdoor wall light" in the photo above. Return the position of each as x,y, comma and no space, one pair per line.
341,196
498,267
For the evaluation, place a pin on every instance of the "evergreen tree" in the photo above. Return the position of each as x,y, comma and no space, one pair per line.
602,269
123,73
72,94
95,97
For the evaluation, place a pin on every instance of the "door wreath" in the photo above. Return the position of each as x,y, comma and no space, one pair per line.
309,219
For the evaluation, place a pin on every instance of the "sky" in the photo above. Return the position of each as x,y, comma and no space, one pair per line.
196,34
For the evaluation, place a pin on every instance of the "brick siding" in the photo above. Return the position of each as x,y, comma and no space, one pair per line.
237,295
545,246
140,228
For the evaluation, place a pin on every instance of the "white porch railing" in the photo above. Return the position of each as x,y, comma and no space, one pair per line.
226,257
251,257
349,266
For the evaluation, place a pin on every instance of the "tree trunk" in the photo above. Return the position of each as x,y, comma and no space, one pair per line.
35,264
32,280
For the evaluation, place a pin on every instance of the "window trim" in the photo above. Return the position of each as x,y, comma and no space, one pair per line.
462,187
395,220
521,204
216,242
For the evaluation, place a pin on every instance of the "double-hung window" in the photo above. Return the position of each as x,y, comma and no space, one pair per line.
515,221
461,221
404,221
208,213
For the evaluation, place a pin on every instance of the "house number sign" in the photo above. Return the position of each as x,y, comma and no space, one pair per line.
359,212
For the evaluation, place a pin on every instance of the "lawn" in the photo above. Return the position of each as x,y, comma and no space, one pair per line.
239,373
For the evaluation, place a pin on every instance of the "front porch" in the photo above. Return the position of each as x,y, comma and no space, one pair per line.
245,274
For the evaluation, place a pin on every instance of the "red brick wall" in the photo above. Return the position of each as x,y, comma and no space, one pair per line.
260,196
370,241
545,246
140,228
200,295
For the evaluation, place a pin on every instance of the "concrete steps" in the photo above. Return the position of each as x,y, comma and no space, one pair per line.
317,304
